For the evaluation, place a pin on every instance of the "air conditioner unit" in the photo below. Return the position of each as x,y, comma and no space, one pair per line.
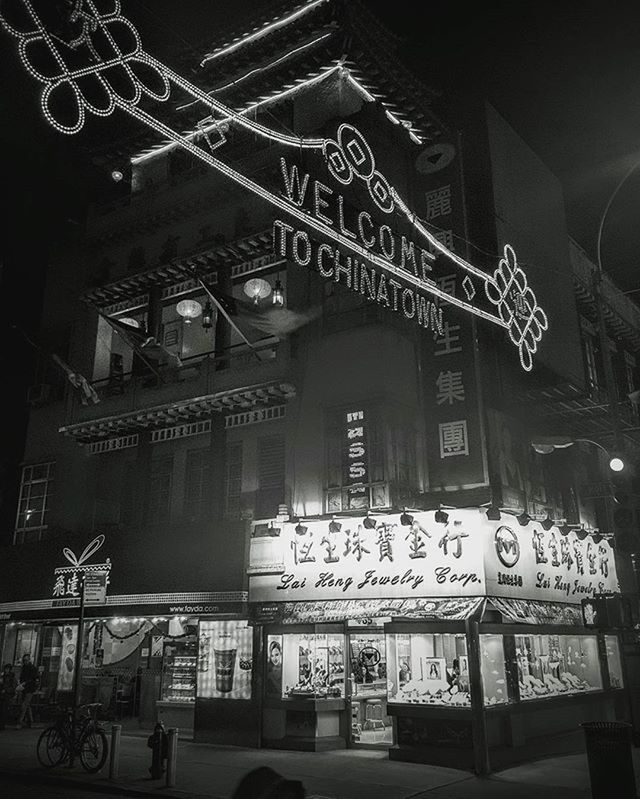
39,394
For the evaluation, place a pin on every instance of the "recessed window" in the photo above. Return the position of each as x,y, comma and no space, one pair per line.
36,492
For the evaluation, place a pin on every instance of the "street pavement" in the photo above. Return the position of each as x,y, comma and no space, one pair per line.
213,771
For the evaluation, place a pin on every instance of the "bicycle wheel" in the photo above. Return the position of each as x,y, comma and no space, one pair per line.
51,748
94,749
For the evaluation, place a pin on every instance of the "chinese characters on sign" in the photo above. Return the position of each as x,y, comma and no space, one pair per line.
67,585
404,555
454,449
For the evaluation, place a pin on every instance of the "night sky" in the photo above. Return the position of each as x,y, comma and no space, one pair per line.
566,75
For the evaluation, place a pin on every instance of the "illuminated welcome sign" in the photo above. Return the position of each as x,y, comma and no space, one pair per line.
90,60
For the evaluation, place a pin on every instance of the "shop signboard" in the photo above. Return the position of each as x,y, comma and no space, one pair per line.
464,554
95,588
67,583
455,443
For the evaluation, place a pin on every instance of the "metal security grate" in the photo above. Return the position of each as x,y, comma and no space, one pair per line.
255,416
112,444
181,431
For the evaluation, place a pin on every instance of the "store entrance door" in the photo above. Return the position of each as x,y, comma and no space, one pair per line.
370,724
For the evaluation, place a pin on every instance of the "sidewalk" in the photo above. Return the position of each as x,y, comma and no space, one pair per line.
213,771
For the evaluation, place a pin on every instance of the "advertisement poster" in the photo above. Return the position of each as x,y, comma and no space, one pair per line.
273,682
225,659
66,670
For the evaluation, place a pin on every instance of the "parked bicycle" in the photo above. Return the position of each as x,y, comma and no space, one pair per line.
63,741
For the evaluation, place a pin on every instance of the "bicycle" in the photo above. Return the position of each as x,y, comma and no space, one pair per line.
64,740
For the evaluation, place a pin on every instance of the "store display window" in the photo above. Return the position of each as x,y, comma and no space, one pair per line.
312,665
551,665
225,659
428,669
492,670
179,672
612,648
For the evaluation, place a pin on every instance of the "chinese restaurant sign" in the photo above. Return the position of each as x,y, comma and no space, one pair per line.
67,585
412,555
74,50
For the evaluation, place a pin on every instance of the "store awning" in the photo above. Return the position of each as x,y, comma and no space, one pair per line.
450,609
524,611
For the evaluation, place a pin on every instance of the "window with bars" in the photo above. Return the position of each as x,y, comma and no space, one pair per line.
197,487
159,493
270,476
233,480
36,492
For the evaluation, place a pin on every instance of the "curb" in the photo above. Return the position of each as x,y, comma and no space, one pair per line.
103,785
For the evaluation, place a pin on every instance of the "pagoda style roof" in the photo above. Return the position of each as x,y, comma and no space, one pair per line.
298,43
242,256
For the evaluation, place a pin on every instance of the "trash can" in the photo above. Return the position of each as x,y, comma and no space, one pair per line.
610,761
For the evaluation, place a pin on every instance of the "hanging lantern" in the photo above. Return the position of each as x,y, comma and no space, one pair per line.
278,293
207,315
129,320
189,310
257,288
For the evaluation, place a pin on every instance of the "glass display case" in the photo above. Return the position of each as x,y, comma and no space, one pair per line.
428,669
306,665
612,648
179,672
551,665
492,670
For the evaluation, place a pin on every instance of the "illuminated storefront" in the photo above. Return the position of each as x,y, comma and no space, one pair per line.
426,632
144,657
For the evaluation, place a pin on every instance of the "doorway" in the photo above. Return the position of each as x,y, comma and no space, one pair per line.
370,724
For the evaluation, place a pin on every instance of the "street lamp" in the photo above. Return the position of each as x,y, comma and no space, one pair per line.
548,444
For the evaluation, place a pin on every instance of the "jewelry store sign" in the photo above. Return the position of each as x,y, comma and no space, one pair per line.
413,555
67,580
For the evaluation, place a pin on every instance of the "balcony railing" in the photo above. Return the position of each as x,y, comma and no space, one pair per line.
583,268
198,376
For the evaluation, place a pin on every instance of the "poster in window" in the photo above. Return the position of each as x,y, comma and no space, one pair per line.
67,666
225,655
273,681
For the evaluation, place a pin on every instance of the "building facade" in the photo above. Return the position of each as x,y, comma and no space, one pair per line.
299,480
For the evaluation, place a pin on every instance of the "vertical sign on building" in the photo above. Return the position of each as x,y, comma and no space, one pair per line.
355,460
455,447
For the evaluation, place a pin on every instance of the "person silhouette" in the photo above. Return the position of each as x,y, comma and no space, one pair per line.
265,783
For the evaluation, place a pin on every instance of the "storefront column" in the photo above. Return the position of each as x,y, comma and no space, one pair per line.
479,729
